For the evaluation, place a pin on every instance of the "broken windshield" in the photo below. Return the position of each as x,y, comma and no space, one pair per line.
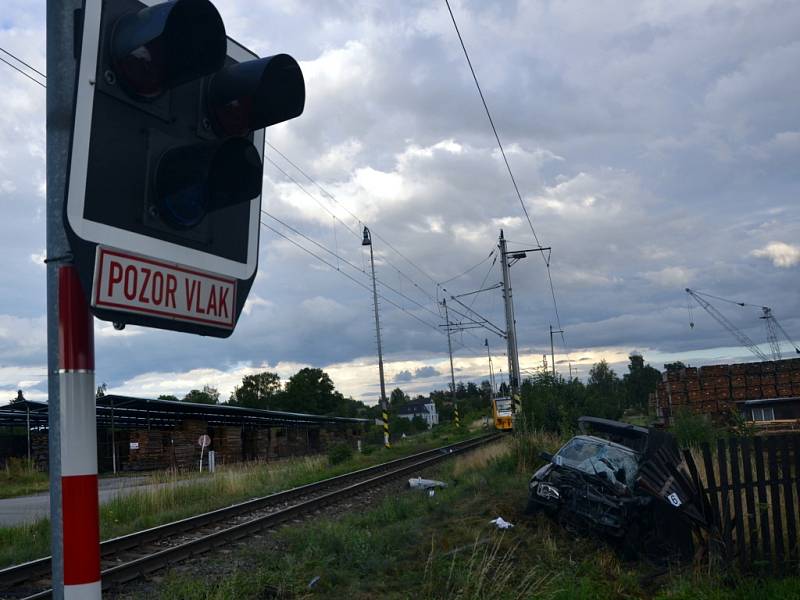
597,456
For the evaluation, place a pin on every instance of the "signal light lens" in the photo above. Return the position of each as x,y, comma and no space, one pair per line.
256,94
193,180
162,46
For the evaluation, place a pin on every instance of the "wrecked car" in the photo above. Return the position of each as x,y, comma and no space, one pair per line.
628,484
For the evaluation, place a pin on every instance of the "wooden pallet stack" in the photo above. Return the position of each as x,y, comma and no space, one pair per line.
147,450
226,441
185,451
715,389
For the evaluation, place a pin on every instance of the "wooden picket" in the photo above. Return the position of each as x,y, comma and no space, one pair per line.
753,489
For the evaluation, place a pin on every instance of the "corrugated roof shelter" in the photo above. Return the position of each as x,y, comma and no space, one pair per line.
146,434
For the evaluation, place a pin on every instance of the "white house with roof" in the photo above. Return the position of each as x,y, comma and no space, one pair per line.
419,408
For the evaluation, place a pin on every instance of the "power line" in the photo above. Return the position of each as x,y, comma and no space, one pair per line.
297,232
491,122
21,72
19,60
508,168
347,262
472,268
361,223
350,277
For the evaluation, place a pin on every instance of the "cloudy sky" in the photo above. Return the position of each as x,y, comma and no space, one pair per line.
656,146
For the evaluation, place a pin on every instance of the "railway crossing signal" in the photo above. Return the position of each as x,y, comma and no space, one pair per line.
164,189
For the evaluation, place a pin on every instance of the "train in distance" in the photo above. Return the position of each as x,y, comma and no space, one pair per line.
502,413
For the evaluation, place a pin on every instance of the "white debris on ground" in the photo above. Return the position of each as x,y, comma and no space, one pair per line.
501,523
418,483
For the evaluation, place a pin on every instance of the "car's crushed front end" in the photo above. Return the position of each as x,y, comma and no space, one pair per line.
628,485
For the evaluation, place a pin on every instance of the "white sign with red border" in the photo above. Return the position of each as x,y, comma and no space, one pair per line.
138,284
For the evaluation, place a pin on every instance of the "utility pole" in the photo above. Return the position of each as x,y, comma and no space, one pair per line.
367,241
511,324
511,329
452,370
491,369
552,351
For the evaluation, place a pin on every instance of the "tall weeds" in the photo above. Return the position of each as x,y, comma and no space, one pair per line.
490,572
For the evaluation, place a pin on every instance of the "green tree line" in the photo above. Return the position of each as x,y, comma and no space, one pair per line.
308,391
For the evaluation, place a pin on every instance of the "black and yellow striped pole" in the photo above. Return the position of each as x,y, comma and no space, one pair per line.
367,241
385,414
458,420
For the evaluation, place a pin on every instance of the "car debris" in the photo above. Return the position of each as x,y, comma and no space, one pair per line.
629,484
501,523
418,483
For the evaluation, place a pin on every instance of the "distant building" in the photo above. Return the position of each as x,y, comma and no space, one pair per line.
420,408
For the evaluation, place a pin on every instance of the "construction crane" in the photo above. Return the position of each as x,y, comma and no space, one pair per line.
772,326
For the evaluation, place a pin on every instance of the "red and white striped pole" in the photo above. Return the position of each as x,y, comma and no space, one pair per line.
79,500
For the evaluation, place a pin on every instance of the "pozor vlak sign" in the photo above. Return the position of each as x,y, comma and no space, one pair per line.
164,183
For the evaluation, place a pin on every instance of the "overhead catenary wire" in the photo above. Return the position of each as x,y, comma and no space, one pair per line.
19,60
350,277
297,232
339,257
21,72
546,260
360,221
360,283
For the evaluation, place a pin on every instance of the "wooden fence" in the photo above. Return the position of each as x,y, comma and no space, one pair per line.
753,488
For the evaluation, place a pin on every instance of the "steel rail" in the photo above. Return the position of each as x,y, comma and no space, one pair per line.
16,575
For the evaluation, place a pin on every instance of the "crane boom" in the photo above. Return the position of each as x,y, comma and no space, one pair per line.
773,327
732,329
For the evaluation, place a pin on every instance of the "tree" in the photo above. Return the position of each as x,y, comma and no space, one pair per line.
605,395
639,382
101,390
208,395
19,398
168,397
674,366
397,398
312,391
257,391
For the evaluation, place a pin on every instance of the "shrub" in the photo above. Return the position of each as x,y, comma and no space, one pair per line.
692,430
339,453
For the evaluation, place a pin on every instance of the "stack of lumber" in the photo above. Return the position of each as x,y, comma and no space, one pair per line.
149,450
715,389
40,455
186,452
227,443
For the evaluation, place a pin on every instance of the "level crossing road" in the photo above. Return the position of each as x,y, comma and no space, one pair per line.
27,509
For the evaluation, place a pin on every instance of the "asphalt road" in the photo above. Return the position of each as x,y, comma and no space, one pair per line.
25,509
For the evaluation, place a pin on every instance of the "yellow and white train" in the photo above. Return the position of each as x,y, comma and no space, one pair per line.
502,412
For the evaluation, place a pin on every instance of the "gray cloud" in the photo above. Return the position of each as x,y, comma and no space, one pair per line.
654,147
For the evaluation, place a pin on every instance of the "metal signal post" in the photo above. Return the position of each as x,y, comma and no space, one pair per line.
155,130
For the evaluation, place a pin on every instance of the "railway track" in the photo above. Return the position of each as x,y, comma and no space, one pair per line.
136,555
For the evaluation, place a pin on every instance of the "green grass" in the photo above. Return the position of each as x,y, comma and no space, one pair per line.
18,478
429,548
148,508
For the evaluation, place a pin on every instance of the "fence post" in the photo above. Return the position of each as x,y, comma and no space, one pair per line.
775,498
758,446
747,468
736,488
722,461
